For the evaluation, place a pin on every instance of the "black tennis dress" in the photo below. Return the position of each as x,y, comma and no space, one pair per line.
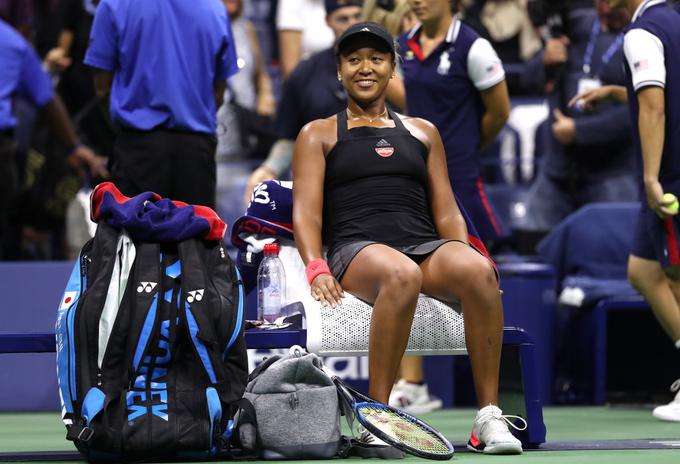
376,191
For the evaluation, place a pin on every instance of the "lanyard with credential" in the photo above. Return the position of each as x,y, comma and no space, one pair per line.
590,48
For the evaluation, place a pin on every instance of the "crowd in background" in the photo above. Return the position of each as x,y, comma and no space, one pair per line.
558,157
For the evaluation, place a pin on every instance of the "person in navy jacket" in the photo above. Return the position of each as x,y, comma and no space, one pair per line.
652,45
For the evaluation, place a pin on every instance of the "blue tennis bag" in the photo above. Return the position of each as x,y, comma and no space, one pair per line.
151,357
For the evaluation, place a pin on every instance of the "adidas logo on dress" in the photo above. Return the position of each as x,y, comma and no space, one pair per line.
383,148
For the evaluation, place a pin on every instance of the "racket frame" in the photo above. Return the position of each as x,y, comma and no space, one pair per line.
350,396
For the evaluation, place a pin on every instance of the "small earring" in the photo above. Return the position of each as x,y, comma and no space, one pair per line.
339,78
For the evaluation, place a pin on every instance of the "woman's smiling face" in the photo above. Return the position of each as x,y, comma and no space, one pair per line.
365,72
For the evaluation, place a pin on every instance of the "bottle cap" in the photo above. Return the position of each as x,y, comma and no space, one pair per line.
271,249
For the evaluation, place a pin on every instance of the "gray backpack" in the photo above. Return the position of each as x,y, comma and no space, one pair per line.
295,404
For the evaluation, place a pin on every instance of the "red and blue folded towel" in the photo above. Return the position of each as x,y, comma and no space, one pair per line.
149,217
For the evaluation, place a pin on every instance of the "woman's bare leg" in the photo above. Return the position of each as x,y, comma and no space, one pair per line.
456,271
391,282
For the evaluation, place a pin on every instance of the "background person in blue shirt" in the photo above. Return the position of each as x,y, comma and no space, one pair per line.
588,156
651,46
165,64
22,75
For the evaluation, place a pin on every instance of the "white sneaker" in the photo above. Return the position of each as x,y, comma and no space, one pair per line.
490,433
671,411
413,399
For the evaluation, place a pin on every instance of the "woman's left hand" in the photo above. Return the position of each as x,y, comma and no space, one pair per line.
327,290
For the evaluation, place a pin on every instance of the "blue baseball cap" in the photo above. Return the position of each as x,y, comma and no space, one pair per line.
332,5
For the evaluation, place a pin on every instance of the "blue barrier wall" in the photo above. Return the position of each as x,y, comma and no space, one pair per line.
32,292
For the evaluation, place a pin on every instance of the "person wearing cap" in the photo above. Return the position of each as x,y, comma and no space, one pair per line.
373,186
22,75
651,45
311,92
165,88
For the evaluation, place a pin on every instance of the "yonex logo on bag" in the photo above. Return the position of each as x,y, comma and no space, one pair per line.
146,287
196,295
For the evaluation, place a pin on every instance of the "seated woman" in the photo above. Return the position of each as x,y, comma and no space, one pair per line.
373,186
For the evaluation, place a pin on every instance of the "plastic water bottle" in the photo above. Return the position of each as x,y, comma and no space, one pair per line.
271,285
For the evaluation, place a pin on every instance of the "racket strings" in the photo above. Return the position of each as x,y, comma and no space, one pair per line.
404,430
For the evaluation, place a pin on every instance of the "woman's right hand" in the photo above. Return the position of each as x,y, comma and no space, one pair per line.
327,290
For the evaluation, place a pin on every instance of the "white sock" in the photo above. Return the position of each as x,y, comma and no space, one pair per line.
677,344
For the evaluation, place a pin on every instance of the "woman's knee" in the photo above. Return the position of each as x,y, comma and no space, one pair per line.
405,277
476,274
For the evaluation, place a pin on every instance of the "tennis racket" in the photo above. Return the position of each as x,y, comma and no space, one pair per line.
393,426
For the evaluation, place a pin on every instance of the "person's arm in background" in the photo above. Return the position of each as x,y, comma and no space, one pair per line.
102,83
102,52
289,121
263,83
646,60
219,86
79,156
277,163
591,99
610,125
58,59
497,110
290,51
485,70
652,126
309,166
289,24
227,62
36,85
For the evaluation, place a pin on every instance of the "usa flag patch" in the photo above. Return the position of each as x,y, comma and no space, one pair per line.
641,65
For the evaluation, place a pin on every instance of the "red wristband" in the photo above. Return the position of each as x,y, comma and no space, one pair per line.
315,268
